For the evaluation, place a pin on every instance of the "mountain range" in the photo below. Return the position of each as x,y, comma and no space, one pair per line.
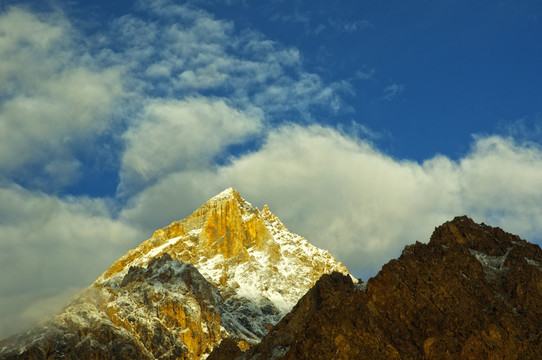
231,282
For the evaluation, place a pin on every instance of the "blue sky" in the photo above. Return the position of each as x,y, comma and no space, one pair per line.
363,125
427,74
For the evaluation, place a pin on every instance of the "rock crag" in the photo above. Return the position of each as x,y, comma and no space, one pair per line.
472,292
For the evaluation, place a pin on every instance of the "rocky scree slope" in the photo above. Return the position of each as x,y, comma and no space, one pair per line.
228,271
472,292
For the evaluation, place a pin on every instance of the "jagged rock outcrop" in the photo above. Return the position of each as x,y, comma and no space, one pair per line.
228,271
472,292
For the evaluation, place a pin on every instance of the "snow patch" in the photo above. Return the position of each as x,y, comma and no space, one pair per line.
157,250
493,266
195,232
361,286
279,351
226,194
534,263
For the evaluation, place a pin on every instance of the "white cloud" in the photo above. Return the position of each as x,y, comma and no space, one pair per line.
350,26
182,135
203,78
52,102
501,184
365,74
343,194
176,196
23,34
49,245
346,196
23,310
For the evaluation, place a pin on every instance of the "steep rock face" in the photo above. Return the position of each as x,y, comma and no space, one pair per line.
472,292
228,271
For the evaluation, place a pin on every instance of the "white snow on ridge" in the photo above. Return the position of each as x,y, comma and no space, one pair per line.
534,263
158,250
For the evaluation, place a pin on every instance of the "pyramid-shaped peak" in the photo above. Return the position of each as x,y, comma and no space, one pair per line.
227,231
463,231
229,194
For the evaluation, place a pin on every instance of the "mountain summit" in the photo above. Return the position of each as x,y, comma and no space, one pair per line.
236,246
228,270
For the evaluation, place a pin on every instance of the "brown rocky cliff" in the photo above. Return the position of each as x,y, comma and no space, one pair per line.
472,292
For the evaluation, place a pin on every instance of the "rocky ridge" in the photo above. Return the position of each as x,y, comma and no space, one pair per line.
472,292
228,271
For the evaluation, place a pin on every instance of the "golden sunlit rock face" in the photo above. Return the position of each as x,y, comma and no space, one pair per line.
225,225
228,271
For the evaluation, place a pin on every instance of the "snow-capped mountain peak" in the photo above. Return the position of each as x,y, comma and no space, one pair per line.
260,268
228,270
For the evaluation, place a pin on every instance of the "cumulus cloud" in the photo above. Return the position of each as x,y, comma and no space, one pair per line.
51,101
364,206
49,245
179,135
500,182
345,195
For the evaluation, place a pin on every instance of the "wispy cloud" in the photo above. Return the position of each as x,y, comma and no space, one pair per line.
365,74
189,52
350,26
392,91
296,17
312,26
